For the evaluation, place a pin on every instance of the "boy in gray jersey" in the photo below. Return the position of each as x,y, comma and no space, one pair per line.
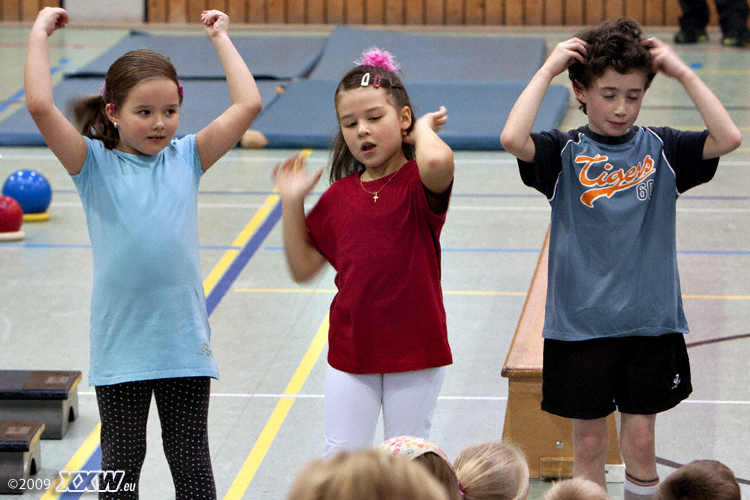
614,322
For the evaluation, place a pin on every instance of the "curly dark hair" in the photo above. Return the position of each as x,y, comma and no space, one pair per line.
612,44
343,162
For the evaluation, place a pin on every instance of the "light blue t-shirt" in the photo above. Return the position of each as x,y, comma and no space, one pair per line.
148,309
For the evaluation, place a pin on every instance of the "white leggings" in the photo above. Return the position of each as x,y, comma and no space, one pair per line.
352,406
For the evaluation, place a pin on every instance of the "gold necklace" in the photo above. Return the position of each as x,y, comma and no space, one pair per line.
375,193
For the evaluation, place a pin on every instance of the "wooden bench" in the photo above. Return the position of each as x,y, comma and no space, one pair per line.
546,439
20,453
49,396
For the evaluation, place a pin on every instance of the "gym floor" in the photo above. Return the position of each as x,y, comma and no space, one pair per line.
266,416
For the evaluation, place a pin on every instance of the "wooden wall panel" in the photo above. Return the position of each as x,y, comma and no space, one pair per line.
454,12
575,13
416,10
514,12
475,11
396,12
374,12
534,12
594,12
275,11
334,12
554,14
494,13
295,12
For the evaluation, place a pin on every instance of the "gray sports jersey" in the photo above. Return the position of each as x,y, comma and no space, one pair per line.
612,255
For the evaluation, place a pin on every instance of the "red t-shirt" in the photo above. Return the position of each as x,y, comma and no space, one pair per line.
388,315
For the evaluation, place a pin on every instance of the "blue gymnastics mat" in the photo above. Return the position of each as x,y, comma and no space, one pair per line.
194,57
305,117
203,101
435,58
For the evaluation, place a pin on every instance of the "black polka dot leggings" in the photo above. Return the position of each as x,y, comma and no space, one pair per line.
182,404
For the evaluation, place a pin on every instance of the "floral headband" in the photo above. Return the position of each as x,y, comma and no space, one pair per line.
412,447
377,58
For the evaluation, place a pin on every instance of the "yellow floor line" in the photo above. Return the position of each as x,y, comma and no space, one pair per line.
83,453
76,463
333,290
268,434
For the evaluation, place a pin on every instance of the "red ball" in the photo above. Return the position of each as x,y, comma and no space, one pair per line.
11,215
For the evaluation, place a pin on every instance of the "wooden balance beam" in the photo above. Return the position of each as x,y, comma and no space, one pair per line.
546,439
20,454
49,396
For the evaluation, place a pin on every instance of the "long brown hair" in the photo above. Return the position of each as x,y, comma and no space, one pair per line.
125,73
343,162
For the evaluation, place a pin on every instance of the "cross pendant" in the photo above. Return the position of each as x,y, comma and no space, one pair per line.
375,197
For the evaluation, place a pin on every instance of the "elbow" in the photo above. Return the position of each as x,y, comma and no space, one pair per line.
735,139
508,141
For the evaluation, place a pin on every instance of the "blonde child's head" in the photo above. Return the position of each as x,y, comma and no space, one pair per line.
576,488
365,475
493,471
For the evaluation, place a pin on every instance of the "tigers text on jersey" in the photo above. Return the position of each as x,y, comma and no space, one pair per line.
612,249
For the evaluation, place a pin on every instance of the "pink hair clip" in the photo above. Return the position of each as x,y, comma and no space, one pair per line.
378,59
179,89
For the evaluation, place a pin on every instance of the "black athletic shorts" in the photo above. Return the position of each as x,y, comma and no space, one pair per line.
592,378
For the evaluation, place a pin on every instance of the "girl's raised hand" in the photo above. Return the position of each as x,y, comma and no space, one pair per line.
51,19
216,22
292,179
434,121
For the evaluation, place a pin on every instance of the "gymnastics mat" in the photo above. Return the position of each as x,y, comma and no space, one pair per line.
476,112
203,100
435,58
194,57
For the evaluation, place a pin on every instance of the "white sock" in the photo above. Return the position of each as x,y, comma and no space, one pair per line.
639,489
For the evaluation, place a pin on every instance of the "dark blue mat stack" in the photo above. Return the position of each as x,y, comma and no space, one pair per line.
477,77
274,60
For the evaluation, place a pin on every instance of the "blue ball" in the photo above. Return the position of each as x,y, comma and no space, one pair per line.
30,189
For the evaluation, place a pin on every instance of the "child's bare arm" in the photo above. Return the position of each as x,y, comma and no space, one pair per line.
516,135
434,157
294,184
723,135
65,142
224,132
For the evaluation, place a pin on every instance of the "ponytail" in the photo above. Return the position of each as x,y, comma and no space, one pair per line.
93,122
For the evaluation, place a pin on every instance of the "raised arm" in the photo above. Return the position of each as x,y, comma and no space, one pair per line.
516,135
294,184
723,135
224,132
65,142
434,157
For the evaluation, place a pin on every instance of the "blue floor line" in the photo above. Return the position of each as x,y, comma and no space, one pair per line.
94,463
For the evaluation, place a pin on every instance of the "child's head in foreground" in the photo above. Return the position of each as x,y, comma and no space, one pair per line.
576,488
617,70
429,455
493,471
372,91
700,480
365,475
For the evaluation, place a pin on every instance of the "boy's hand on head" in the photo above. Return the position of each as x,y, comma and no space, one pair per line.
51,18
564,55
665,59
216,22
